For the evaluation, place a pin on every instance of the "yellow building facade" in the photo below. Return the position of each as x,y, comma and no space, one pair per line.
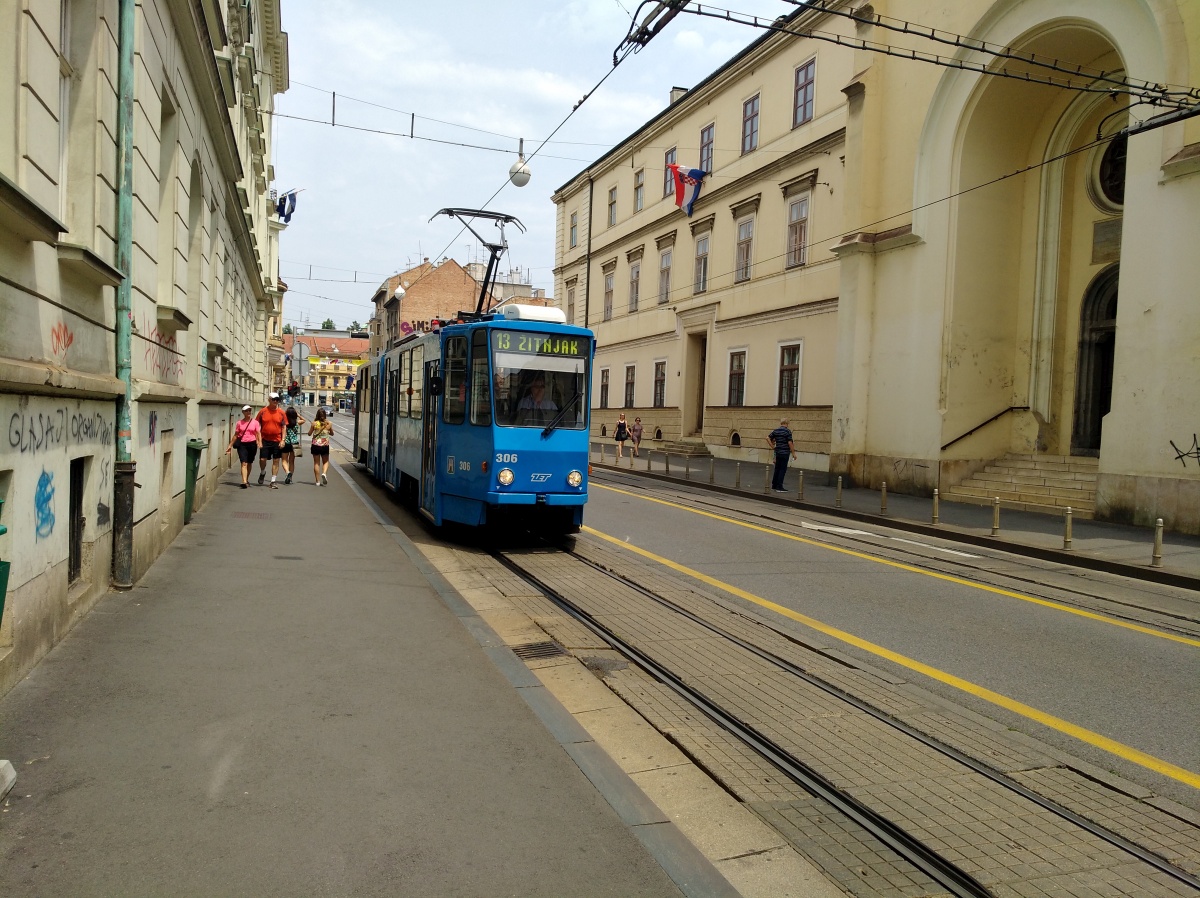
1003,282
200,283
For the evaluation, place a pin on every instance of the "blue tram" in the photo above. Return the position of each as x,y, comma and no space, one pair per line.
483,421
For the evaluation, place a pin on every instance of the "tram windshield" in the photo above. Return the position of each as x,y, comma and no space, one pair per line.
540,379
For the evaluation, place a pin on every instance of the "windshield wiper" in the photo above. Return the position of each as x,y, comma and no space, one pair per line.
562,414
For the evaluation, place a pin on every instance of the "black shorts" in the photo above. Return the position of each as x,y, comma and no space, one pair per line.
320,451
288,448
271,450
247,451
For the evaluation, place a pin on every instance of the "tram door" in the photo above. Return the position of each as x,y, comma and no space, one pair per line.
429,417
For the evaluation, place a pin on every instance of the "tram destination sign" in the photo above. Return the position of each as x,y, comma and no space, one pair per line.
556,345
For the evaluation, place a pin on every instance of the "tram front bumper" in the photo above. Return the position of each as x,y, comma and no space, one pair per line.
565,499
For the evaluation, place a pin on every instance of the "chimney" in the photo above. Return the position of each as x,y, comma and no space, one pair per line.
676,93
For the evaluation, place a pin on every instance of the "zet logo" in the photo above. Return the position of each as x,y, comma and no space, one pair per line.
539,478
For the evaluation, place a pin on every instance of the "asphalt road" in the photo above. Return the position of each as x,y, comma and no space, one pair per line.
1137,688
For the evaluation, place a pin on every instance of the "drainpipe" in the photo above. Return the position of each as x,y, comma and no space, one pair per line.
125,467
587,264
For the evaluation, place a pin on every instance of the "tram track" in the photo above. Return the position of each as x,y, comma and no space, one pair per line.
649,629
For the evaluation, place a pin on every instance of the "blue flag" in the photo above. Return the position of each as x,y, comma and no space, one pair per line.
286,206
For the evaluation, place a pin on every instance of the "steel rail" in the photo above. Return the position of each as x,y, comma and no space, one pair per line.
946,874
979,767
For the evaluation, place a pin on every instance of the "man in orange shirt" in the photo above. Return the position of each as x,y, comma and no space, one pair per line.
273,422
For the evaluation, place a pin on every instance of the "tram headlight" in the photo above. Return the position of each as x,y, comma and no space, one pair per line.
505,476
574,478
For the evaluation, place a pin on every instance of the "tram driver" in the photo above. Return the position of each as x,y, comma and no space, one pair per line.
535,406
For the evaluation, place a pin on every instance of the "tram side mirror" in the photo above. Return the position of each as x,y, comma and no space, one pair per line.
436,386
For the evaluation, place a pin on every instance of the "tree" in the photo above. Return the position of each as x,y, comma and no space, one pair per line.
355,326
287,328
328,325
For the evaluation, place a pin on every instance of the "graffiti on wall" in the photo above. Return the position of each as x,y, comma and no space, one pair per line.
60,339
154,432
43,505
34,432
163,359
1182,455
102,510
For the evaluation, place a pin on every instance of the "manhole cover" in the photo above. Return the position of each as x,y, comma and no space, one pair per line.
256,515
531,650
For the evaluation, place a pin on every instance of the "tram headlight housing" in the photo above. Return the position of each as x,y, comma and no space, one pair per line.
505,476
575,478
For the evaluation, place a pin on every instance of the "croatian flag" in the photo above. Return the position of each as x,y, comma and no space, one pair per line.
687,186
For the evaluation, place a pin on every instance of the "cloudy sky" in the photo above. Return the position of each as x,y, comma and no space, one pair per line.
478,72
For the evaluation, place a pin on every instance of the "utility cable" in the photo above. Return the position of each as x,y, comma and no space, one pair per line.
949,38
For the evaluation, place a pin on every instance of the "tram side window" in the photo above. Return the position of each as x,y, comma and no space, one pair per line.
401,409
481,395
454,370
417,381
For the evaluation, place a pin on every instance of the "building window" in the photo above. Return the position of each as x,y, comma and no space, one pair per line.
789,375
669,179
629,373
797,233
65,73
321,380
608,295
635,283
707,136
660,384
745,246
612,206
750,125
574,229
603,388
805,88
336,382
639,190
737,378
700,283
570,305
664,277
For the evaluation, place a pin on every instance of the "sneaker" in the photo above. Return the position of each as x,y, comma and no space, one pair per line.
324,480
274,485
288,479
262,477
245,486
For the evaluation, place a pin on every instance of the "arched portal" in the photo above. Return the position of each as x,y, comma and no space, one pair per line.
1094,364
1025,248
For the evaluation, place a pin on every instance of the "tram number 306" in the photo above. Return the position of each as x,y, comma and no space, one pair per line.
506,458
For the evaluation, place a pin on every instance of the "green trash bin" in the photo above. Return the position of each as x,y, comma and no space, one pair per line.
194,448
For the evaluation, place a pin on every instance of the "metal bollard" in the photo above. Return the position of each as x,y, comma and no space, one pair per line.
1156,558
837,501
687,467
1067,528
667,463
647,459
935,506
800,487
996,516
883,497
766,477
737,476
712,470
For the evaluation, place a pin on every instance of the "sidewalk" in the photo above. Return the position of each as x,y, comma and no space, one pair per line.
291,702
1097,545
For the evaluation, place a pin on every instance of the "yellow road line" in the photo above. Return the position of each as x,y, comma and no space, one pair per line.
1045,603
1103,742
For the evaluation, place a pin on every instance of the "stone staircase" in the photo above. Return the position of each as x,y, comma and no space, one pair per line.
690,448
1045,483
